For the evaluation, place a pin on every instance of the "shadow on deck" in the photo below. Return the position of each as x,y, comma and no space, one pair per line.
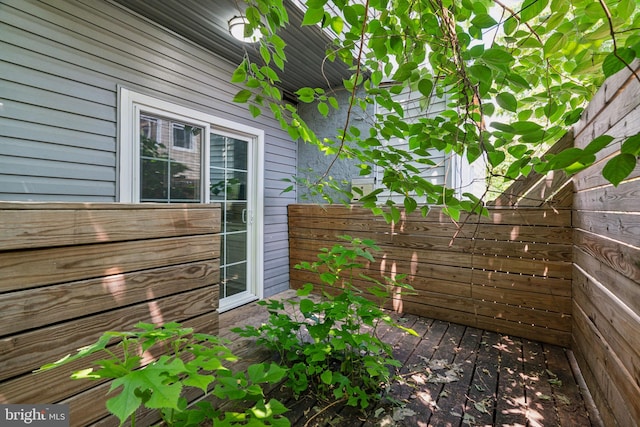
452,375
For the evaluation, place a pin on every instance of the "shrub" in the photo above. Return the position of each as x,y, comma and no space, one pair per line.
188,360
330,343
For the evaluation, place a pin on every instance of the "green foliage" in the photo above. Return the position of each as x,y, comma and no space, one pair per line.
532,67
189,360
329,343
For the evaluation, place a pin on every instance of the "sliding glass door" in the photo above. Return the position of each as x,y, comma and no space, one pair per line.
170,153
231,177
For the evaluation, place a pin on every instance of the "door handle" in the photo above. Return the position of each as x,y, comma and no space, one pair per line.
247,216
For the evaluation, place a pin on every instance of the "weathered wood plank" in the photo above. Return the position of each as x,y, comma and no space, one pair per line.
559,251
609,99
56,385
73,270
413,353
563,198
533,284
619,130
604,410
329,228
452,396
43,225
541,408
407,261
459,311
526,316
607,370
38,307
557,304
612,319
623,198
30,350
533,332
625,289
620,257
498,215
39,267
459,278
569,403
424,402
551,191
481,401
511,402
607,275
621,226
592,177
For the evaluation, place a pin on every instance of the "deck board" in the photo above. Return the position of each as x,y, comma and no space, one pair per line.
498,379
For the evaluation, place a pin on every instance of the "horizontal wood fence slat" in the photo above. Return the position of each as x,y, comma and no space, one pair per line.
58,265
33,225
72,271
497,273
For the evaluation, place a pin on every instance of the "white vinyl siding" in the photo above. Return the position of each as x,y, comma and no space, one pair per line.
413,111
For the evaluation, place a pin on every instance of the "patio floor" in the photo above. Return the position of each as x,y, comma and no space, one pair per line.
452,375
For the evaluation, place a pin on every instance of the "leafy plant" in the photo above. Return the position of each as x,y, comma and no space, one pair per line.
329,342
188,360
515,75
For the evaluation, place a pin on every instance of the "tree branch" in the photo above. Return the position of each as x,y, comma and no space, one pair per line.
352,98
607,12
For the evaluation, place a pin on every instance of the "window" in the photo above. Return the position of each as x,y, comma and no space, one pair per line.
149,127
169,173
183,136
169,153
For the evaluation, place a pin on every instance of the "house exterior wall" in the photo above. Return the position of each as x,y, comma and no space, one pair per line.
450,169
61,64
311,162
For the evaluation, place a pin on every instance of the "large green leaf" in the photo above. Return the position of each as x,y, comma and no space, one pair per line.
556,42
313,16
425,86
632,145
524,127
239,75
497,56
496,157
153,382
507,101
242,96
619,167
598,144
484,21
532,8
617,60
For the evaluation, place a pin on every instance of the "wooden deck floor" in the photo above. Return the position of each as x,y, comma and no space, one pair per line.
452,375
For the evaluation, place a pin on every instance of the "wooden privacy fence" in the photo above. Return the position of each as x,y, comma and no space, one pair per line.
510,272
73,271
606,285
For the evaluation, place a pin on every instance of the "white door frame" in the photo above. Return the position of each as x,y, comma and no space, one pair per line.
130,105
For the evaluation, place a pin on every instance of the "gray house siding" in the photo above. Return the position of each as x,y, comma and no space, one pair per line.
61,63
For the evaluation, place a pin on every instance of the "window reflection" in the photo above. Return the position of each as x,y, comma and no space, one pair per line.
229,177
170,161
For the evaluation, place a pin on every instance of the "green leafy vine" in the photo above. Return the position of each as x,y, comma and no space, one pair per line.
515,76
